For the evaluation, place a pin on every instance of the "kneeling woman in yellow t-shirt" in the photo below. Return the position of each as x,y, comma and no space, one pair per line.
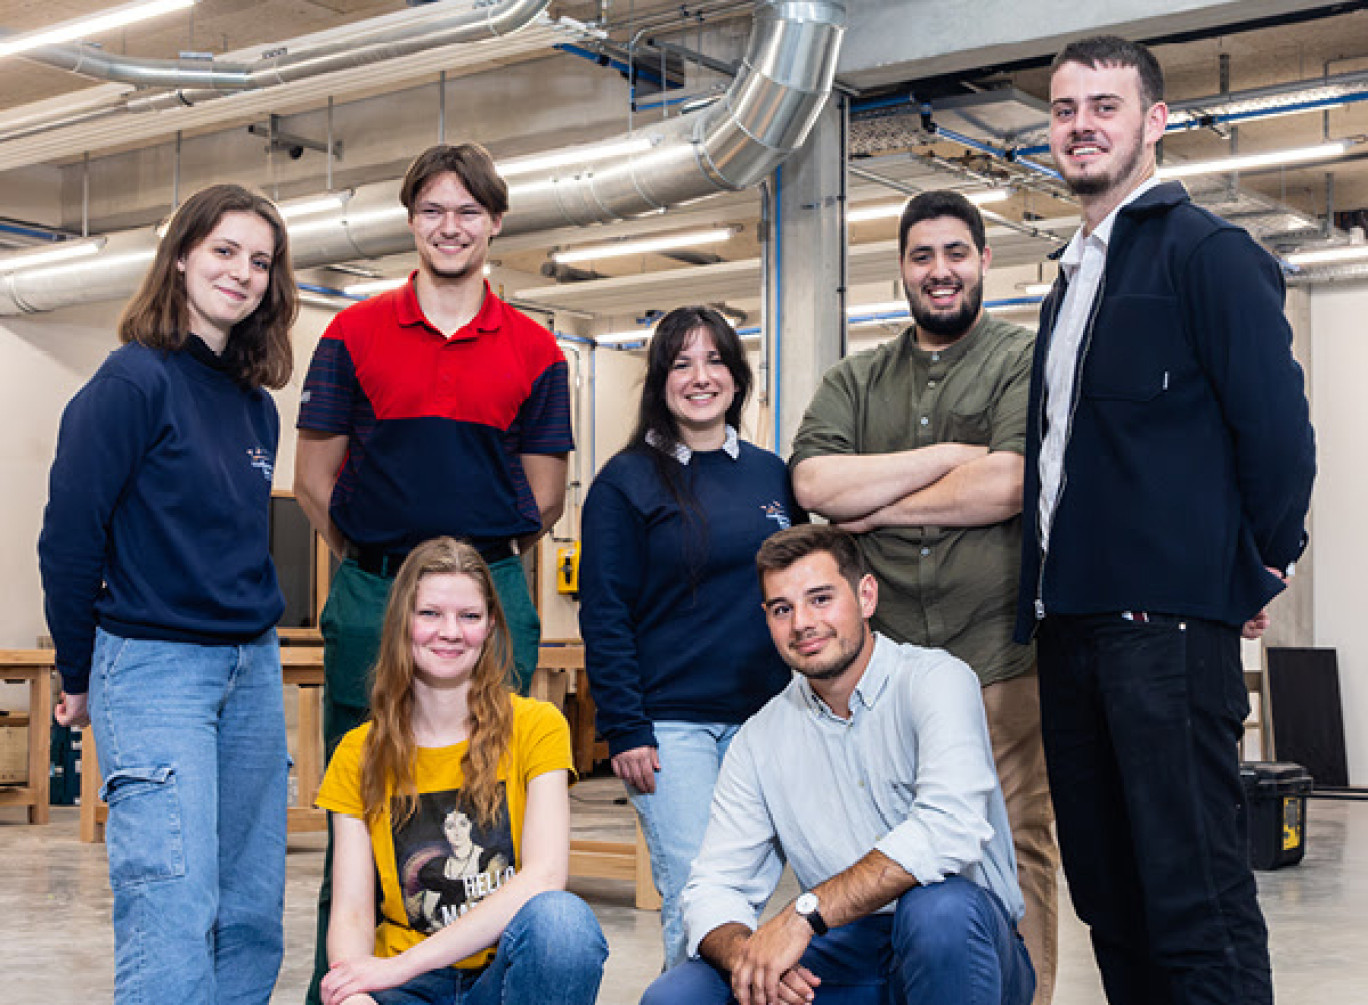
454,799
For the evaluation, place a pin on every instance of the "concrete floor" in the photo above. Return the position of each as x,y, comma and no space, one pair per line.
56,945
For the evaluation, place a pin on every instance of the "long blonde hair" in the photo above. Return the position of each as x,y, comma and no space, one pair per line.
390,753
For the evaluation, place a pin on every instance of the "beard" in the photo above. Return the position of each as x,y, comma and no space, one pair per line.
832,666
950,325
1123,170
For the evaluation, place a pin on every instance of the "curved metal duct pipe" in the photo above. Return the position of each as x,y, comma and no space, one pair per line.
416,31
766,114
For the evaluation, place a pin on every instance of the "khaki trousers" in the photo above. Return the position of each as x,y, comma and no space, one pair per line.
1013,710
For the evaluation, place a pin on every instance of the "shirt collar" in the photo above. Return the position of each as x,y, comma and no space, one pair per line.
489,318
731,446
1101,235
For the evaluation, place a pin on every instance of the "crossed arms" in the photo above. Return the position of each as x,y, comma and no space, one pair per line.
941,485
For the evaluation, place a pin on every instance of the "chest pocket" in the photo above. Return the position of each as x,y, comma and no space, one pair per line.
1138,350
969,425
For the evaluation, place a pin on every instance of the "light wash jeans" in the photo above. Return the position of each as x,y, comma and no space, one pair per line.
949,943
674,817
551,953
192,751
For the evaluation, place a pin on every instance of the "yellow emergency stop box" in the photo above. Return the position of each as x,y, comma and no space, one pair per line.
567,568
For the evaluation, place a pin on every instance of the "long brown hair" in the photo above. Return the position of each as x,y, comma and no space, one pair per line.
390,753
258,350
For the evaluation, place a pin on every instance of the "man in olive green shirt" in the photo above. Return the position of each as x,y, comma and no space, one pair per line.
917,446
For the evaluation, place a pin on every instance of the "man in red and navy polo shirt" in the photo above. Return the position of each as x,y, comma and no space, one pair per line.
433,409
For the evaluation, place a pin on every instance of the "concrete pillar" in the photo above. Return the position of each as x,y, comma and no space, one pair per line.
806,270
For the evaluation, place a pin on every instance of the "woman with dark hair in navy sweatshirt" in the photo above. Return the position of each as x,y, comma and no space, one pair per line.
162,602
676,648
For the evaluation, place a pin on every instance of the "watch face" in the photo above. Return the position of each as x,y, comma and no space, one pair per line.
806,904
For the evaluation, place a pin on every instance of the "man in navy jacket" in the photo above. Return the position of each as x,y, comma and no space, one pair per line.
1169,466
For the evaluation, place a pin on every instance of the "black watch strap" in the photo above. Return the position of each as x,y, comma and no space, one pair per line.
806,906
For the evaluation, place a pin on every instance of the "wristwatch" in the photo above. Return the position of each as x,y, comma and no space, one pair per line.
806,907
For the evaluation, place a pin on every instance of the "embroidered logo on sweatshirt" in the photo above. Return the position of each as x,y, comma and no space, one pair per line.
775,511
261,459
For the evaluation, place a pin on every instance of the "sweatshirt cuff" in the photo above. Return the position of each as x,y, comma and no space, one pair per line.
640,736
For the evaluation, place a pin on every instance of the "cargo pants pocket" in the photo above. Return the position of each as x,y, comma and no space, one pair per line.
144,836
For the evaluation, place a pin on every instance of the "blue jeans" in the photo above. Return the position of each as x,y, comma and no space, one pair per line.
950,943
551,953
192,752
674,816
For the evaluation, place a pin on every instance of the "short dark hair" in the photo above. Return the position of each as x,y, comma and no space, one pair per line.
469,162
259,352
786,547
1113,50
933,206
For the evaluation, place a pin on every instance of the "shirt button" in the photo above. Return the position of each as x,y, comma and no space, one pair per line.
925,421
925,552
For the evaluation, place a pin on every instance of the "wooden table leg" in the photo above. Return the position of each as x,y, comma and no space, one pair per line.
310,763
40,746
90,788
647,899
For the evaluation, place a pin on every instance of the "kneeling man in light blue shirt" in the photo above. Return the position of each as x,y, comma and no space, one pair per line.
872,776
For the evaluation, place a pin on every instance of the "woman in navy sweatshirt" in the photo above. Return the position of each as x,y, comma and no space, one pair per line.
676,647
162,602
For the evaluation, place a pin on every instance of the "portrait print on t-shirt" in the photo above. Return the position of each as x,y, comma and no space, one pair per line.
446,862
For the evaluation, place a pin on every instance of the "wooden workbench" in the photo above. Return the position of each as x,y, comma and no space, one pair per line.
32,667
301,668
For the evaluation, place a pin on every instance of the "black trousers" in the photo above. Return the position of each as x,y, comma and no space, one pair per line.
1142,717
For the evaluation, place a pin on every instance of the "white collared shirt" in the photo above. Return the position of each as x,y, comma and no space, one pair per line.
1083,263
731,446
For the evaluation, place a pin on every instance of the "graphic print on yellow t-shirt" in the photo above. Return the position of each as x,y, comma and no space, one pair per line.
446,862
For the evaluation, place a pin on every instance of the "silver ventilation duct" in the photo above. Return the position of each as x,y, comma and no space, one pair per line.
205,83
766,114
193,82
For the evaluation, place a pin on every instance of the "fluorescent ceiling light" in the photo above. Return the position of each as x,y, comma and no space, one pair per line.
1036,289
1255,162
1325,256
889,210
373,286
687,240
622,338
313,204
887,307
574,155
96,24
56,253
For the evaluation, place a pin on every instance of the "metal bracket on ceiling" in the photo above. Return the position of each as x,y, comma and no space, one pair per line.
281,141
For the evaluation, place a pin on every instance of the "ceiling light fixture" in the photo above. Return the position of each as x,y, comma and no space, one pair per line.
1326,256
313,204
574,155
1256,162
1035,289
625,338
56,253
669,242
374,286
85,27
886,307
889,210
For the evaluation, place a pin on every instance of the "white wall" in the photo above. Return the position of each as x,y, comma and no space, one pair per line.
1340,505
43,362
